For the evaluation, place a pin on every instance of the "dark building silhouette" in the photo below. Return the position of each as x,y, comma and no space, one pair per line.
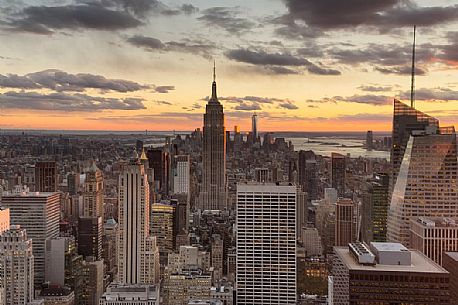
46,176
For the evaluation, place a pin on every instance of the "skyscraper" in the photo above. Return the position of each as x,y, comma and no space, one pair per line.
137,251
46,176
345,225
254,127
375,208
213,195
181,178
16,267
308,174
159,161
90,227
266,258
427,183
405,120
39,215
338,173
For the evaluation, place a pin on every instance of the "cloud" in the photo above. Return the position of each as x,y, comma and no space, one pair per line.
66,102
227,19
432,94
372,99
63,81
163,103
248,107
263,58
375,88
47,19
163,89
276,62
385,15
403,70
187,9
139,8
288,105
151,44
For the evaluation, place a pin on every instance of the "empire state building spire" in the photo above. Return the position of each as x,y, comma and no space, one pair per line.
214,98
213,194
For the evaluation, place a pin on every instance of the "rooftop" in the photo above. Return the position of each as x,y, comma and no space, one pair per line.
420,263
385,247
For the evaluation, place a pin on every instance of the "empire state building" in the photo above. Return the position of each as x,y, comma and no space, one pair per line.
213,195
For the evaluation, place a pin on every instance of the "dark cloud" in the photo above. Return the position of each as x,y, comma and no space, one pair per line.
139,8
63,81
163,89
403,70
148,43
202,48
375,88
163,103
314,69
248,107
432,94
47,19
66,102
372,99
226,18
385,15
263,58
187,9
276,62
288,105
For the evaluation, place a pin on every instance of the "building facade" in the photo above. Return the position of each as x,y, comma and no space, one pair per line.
266,258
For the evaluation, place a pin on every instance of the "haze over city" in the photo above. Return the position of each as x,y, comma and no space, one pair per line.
300,65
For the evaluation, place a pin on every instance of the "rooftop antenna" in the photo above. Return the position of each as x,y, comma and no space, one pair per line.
412,88
214,70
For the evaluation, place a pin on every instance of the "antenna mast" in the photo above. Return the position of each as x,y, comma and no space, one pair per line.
412,88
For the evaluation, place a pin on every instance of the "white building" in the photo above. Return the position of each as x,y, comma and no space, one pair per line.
118,294
39,214
266,243
138,255
181,179
16,267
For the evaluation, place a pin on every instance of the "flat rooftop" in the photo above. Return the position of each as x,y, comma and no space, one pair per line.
28,194
420,263
453,255
388,247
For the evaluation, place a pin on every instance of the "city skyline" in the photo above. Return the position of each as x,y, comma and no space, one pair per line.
147,64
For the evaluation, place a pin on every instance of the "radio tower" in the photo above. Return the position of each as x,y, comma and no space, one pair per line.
412,88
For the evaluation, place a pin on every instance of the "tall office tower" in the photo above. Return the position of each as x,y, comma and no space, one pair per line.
90,231
308,174
266,259
39,215
338,173
254,127
450,263
181,221
137,250
217,257
405,120
386,273
433,236
427,182
4,219
312,242
16,267
90,223
109,248
369,140
375,208
301,212
93,192
162,227
73,183
213,195
46,176
93,279
181,178
345,222
159,161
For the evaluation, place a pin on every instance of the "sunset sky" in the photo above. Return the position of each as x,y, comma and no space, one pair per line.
301,65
